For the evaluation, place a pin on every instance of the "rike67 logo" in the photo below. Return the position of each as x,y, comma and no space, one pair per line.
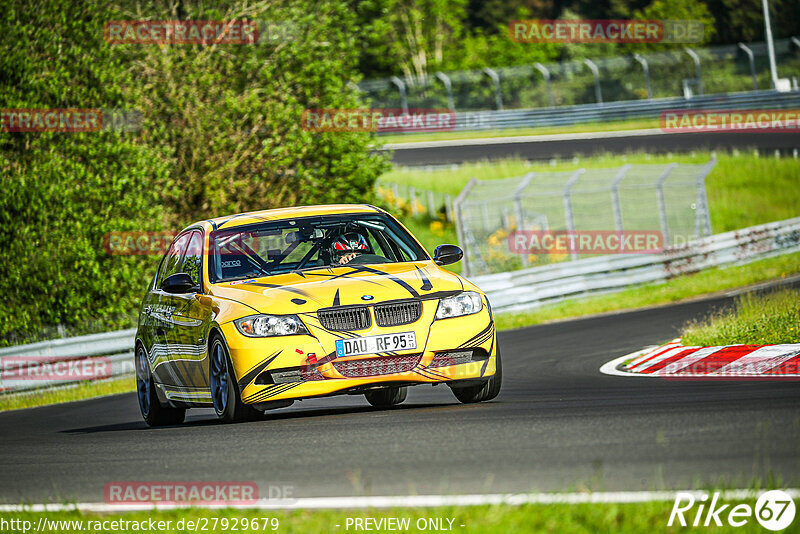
774,510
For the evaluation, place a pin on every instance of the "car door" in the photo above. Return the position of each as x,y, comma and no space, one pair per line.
161,314
191,319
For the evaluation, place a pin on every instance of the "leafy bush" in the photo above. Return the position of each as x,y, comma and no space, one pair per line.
221,133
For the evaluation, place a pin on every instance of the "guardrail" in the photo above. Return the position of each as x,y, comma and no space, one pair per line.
72,353
620,110
530,288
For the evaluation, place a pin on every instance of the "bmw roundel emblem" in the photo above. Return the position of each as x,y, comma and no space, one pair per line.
367,297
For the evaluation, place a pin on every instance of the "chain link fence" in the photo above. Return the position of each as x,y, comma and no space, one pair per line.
685,72
668,198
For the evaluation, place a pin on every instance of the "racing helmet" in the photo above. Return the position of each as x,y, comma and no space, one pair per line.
349,242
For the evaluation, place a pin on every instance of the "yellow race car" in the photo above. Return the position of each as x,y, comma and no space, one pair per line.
254,311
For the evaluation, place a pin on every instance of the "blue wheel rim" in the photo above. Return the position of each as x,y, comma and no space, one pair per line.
143,381
219,378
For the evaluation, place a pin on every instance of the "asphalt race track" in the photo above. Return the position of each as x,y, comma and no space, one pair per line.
558,424
569,145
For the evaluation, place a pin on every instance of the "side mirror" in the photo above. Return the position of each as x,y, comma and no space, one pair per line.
447,254
178,283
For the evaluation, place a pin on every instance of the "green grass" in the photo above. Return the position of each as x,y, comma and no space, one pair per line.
575,518
84,390
756,319
637,124
677,289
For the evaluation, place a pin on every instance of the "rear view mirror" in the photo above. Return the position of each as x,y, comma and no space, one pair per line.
178,283
447,254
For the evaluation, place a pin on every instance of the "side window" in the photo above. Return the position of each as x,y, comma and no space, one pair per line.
193,262
172,259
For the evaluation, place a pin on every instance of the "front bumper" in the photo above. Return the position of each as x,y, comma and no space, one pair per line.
272,369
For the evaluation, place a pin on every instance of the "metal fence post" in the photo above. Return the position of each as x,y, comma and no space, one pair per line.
448,87
646,69
431,204
568,207
699,72
413,200
401,86
546,73
596,73
459,222
702,217
448,206
498,95
751,59
519,214
615,196
662,206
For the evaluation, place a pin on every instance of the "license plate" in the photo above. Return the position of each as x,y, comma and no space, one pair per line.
375,344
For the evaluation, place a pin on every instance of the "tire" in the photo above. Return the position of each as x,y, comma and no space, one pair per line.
382,398
225,395
482,392
153,413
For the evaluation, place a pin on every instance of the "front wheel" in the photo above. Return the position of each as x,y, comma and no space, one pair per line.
228,404
382,398
152,412
482,392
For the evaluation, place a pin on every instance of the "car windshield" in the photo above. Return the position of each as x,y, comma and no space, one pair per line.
309,243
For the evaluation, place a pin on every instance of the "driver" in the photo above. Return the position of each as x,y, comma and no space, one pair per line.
347,246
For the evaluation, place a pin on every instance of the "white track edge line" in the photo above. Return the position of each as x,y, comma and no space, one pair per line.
610,368
412,501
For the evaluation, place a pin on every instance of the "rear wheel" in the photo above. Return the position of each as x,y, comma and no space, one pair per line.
482,392
228,404
382,398
152,412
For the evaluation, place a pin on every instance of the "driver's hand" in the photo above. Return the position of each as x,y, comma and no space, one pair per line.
346,258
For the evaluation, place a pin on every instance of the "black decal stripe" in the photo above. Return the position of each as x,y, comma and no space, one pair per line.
255,371
336,301
272,391
485,365
488,330
426,283
434,374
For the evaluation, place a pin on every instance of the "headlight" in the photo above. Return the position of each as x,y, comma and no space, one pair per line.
465,303
270,325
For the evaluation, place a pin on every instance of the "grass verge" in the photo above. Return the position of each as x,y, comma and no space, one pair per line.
573,518
80,391
638,124
756,319
677,289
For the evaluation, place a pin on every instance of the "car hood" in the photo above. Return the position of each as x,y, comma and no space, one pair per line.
308,291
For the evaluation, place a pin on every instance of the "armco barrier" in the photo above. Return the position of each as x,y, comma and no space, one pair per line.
529,288
117,346
619,111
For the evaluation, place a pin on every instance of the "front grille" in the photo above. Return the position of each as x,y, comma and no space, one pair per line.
398,313
384,365
345,319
